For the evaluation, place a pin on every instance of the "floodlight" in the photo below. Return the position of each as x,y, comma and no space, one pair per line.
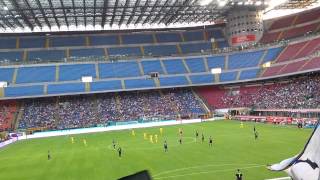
3,84
267,64
205,2
86,79
216,71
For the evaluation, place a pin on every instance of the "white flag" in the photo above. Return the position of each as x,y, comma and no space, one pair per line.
304,166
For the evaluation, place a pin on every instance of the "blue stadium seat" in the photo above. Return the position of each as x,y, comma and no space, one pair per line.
248,74
106,85
195,65
173,81
215,33
21,91
11,56
139,83
76,71
6,74
119,69
202,79
222,44
67,41
168,37
8,43
216,62
32,42
151,66
160,50
193,36
196,47
46,55
174,66
228,76
104,40
243,60
124,51
36,74
66,88
137,38
94,52
272,54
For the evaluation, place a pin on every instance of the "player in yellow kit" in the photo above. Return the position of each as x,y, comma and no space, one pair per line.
151,138
156,138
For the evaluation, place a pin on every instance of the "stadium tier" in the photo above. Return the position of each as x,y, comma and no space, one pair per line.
94,110
292,26
8,111
299,93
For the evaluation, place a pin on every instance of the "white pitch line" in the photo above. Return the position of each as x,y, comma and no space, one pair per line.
207,172
200,166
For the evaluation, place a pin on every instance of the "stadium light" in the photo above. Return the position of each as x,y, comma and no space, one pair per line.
205,2
86,79
222,3
5,8
3,84
216,71
267,64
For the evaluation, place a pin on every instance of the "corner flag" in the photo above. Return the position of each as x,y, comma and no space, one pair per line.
304,166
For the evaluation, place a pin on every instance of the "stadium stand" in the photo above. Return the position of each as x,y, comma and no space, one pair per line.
139,83
160,50
62,41
216,62
195,47
228,76
11,56
243,60
104,40
137,39
8,110
32,42
106,85
119,69
168,37
66,88
6,74
195,65
36,74
272,54
202,79
290,51
88,52
302,92
193,36
249,74
173,81
8,43
152,66
23,91
76,71
124,51
92,110
174,66
46,55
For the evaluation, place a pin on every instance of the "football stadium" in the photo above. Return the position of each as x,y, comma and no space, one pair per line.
159,89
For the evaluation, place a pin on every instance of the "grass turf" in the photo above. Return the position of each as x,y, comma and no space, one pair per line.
233,148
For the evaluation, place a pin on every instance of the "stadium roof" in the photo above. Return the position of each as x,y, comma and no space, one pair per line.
81,15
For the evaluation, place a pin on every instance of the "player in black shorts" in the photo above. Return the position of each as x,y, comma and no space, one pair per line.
202,138
197,134
114,144
210,141
119,151
49,156
165,146
238,175
256,135
254,128
180,140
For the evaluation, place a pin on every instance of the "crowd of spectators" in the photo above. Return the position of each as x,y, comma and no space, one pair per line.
94,110
7,111
303,92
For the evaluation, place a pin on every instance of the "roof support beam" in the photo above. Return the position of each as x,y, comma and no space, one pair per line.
114,12
25,19
124,12
158,15
94,12
43,14
105,6
186,2
151,12
143,12
64,12
84,13
133,12
32,13
170,11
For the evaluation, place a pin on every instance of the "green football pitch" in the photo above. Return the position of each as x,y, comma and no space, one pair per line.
233,148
